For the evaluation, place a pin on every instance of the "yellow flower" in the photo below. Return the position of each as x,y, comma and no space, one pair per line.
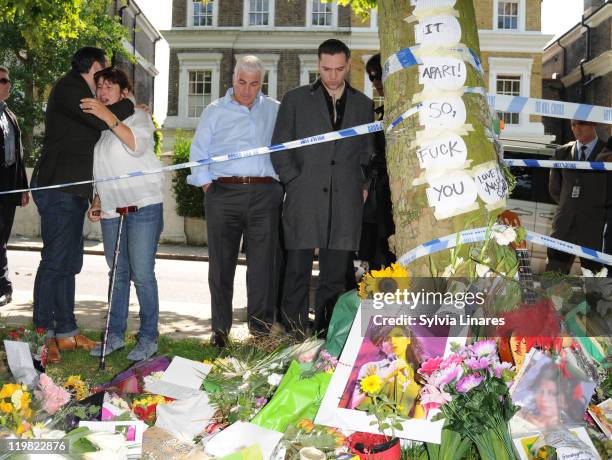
372,384
149,400
208,361
389,279
306,425
8,389
6,407
75,385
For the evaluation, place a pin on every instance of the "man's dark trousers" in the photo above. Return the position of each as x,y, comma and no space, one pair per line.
332,276
61,218
234,210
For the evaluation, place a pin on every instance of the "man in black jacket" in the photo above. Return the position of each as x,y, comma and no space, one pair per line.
67,156
12,177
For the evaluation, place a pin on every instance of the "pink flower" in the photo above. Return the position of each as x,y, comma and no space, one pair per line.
499,368
477,364
446,375
260,402
430,366
484,348
468,382
433,398
53,396
453,359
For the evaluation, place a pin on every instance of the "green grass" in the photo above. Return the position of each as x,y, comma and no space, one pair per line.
79,362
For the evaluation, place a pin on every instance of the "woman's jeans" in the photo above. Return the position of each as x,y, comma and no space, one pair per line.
136,262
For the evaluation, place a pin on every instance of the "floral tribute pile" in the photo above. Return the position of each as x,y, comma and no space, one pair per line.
496,395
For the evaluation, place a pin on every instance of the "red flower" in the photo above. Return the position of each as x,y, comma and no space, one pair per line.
21,330
431,365
146,414
40,330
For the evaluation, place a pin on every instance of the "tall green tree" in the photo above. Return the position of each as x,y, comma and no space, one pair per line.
37,41
415,222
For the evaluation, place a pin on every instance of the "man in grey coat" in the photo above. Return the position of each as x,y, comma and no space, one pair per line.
324,185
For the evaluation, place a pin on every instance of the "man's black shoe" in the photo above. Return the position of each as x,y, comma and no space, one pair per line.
218,339
6,298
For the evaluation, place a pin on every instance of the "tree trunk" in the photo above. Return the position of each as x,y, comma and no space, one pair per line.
414,219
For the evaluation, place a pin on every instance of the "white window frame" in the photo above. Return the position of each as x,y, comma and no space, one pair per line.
270,63
334,22
190,12
308,63
368,88
518,67
522,6
245,15
190,62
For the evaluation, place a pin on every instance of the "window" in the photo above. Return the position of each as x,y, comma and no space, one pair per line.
260,12
510,86
265,84
308,68
321,13
200,92
312,76
508,15
203,13
378,101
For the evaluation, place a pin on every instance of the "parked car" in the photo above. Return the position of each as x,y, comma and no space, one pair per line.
530,199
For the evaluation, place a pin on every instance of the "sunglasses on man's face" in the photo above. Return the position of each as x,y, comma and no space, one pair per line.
4,81
374,76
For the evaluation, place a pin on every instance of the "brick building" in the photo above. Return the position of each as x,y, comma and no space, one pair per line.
206,39
141,39
577,67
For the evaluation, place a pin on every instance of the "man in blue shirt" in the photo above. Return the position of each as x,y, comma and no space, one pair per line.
242,198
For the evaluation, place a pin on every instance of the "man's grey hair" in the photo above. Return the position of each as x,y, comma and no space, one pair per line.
4,69
251,64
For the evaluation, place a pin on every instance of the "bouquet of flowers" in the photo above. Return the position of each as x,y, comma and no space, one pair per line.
15,408
145,408
470,388
306,434
35,339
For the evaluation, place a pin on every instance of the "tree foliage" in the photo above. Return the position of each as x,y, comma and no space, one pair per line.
37,41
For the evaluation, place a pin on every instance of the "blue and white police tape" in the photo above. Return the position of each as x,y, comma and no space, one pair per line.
555,164
408,57
478,234
555,109
318,139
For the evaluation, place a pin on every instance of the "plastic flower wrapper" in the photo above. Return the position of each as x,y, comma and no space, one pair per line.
112,446
53,397
297,397
305,433
471,389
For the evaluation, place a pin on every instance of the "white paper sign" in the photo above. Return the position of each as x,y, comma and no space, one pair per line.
422,5
451,193
444,73
443,112
447,152
181,380
491,184
20,362
442,30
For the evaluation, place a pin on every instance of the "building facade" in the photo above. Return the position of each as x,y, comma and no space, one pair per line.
206,39
140,42
577,67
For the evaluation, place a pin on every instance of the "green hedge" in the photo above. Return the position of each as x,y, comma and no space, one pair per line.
189,199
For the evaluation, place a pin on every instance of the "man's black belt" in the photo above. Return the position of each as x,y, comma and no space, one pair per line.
245,180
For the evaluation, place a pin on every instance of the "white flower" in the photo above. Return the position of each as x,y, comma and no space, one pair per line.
557,301
104,455
482,270
247,375
452,268
274,379
243,386
108,442
41,431
16,399
503,235
603,273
